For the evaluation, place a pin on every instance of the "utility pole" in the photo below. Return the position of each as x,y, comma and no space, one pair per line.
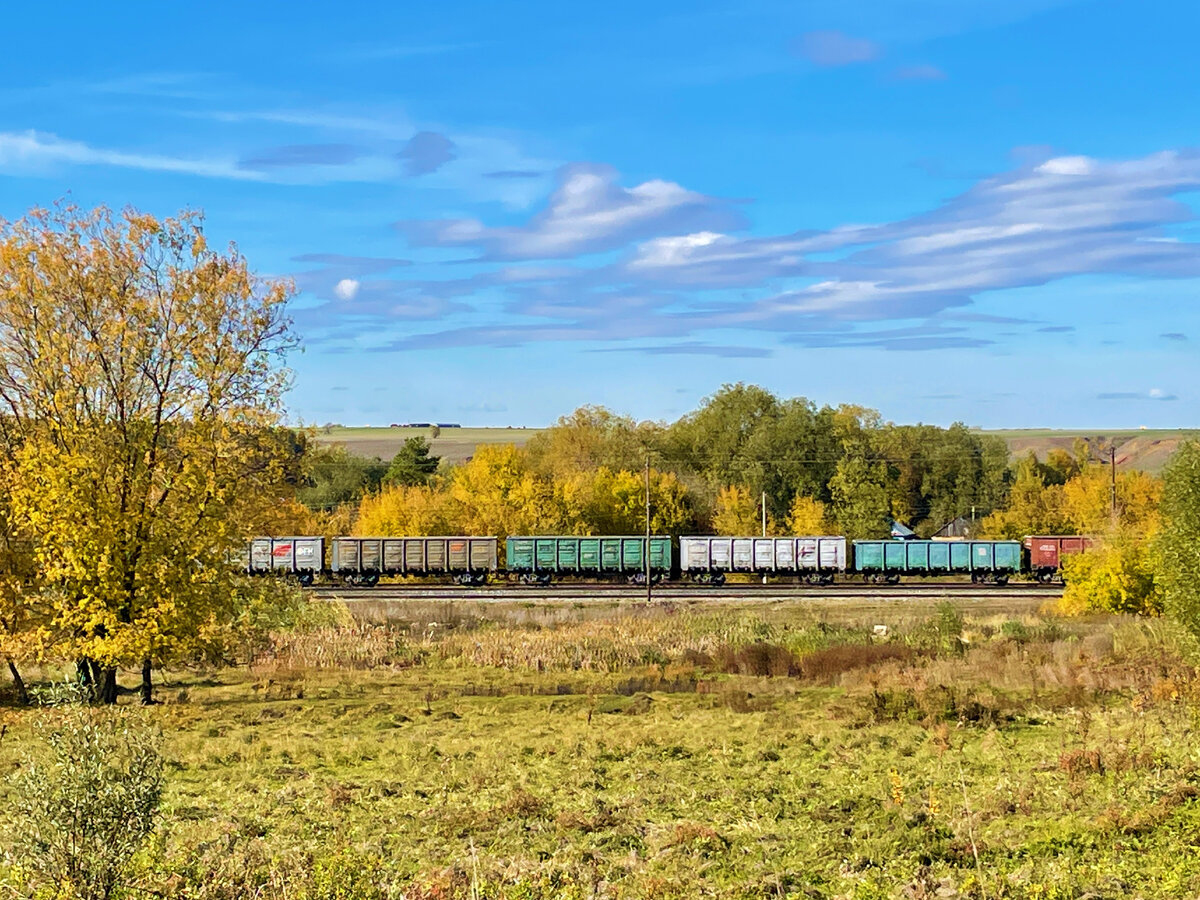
1112,455
646,551
764,529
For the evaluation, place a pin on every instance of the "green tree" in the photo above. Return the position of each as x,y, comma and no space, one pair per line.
412,465
1178,544
334,476
860,501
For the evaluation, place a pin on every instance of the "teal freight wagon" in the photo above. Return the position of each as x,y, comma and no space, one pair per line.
542,558
983,560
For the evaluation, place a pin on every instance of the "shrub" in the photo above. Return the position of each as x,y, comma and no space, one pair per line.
1118,578
81,810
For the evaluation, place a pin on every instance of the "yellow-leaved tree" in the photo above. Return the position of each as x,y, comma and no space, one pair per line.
739,512
808,516
139,371
406,510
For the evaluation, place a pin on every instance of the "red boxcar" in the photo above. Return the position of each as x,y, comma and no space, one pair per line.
1046,552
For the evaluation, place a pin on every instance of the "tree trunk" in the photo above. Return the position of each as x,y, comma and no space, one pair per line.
147,684
18,682
104,683
83,672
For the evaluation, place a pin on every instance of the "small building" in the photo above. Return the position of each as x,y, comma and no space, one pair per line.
901,532
961,529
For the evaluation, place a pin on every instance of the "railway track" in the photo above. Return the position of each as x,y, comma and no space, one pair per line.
684,593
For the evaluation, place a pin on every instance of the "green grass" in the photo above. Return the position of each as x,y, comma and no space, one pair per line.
645,753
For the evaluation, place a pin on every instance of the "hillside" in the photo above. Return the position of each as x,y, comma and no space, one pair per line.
1136,449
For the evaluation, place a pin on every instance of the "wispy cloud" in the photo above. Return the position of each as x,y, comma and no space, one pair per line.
392,52
1046,220
31,152
920,72
588,211
694,348
514,173
835,48
302,155
1152,394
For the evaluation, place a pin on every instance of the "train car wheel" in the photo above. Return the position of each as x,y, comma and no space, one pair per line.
893,579
718,579
1001,580
305,579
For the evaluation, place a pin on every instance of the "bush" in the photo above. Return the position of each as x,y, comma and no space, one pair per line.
1117,578
81,810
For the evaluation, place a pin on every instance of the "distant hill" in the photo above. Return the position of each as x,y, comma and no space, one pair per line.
1136,449
1146,449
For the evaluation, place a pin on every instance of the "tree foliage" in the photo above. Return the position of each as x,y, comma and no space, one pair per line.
412,465
739,512
808,517
334,476
1116,577
139,372
80,811
1075,497
1178,544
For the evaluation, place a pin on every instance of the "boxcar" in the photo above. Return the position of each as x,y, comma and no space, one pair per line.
363,560
1046,552
540,558
710,559
982,560
303,557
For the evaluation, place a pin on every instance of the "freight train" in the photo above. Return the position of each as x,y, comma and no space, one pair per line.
540,559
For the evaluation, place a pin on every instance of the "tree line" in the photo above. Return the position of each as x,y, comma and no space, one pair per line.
820,469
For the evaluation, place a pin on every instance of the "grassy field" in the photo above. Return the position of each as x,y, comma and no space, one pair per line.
1139,449
591,750
453,444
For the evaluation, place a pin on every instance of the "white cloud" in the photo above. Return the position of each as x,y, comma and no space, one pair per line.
33,151
346,289
1067,165
1065,217
587,212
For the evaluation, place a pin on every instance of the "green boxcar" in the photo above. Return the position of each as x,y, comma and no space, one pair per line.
586,556
937,557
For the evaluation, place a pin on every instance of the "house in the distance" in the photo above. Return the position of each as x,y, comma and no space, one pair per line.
961,529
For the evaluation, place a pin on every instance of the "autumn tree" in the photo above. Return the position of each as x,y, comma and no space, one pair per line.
139,369
402,510
589,438
808,516
739,512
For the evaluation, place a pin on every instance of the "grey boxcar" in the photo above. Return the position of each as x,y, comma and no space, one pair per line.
363,560
813,558
303,557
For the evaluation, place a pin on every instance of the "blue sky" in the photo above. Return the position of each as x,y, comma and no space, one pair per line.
494,213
